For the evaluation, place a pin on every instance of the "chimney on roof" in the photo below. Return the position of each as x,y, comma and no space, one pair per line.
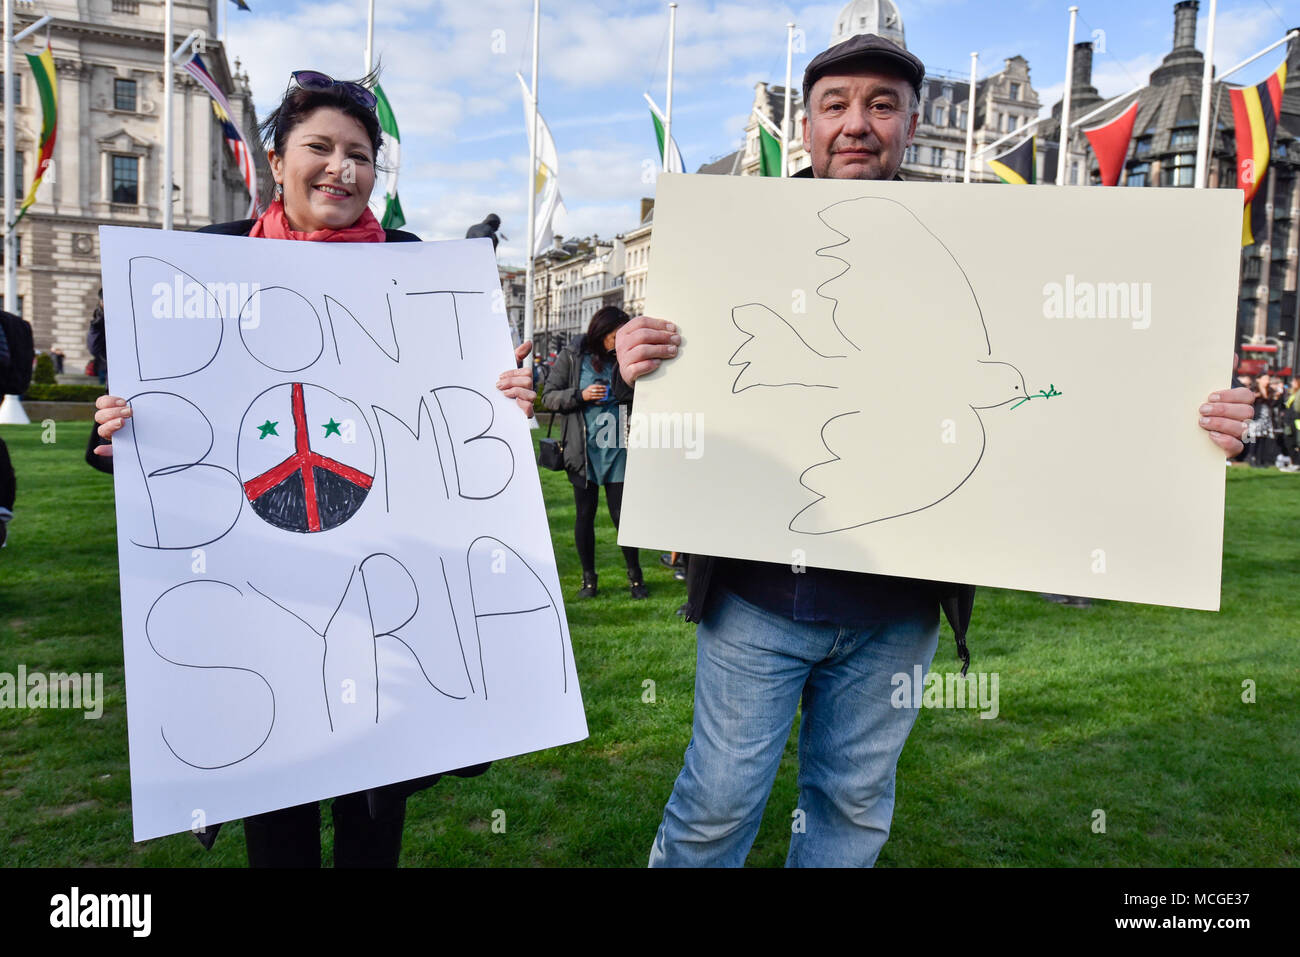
1083,64
1185,24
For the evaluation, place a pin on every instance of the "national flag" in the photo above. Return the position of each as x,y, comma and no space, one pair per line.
240,3
675,164
769,146
305,474
1255,112
546,185
1110,142
43,71
234,136
388,208
1017,165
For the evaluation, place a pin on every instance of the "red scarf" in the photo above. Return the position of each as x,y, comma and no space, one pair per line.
273,224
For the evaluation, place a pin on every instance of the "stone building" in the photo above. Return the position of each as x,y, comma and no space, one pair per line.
513,281
108,57
1163,153
571,281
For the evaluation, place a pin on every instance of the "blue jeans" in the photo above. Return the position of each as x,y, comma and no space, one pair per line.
752,669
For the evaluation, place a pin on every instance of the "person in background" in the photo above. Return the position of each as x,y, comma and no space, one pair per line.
17,355
1262,446
96,343
321,143
585,385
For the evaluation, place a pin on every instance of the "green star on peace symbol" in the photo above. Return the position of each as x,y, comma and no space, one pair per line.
268,428
332,428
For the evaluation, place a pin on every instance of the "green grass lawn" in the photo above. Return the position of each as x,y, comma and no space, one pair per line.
1132,710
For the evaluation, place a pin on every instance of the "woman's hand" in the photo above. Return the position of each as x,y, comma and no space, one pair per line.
594,392
517,383
111,413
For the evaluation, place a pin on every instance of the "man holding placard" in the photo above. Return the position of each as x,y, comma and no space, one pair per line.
771,636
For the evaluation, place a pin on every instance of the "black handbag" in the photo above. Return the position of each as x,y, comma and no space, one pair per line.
550,452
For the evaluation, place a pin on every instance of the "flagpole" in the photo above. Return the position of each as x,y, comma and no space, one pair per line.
785,116
167,117
1064,151
1255,56
1106,106
668,109
370,37
531,241
11,236
970,119
1203,133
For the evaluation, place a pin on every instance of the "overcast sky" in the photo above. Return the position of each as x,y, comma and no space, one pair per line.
449,72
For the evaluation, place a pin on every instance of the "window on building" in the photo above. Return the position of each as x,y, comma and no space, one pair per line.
936,156
1139,175
17,85
124,95
19,192
912,155
1015,91
126,180
1182,139
126,6
1143,148
961,159
1179,170
947,93
939,116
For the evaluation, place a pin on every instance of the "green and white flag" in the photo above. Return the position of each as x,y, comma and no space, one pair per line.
675,163
388,208
769,146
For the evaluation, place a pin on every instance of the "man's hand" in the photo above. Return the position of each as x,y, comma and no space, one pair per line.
1225,416
517,383
642,344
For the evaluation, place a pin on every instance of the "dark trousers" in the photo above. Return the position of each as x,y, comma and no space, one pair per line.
8,481
584,528
290,837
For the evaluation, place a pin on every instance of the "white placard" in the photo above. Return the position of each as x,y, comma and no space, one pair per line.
336,567
984,384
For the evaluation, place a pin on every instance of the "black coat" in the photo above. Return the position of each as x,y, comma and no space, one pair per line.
380,799
563,395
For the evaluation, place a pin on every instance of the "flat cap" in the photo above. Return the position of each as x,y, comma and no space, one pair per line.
862,49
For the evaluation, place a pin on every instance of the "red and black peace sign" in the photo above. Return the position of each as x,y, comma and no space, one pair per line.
306,457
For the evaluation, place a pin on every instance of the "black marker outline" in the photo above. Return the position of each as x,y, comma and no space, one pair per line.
180,664
469,571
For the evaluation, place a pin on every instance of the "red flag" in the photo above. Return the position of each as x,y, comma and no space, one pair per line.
1110,143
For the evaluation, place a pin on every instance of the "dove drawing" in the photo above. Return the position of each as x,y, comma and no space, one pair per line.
964,381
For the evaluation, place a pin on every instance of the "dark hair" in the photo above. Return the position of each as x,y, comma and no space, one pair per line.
299,103
605,321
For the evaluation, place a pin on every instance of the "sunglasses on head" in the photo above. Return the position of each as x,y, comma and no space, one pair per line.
312,80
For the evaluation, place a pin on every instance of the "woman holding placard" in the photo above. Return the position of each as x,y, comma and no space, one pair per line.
321,143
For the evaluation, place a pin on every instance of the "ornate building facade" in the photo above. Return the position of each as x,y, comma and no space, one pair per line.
108,56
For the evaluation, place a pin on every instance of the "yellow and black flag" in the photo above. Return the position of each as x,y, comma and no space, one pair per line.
1255,111
1017,164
